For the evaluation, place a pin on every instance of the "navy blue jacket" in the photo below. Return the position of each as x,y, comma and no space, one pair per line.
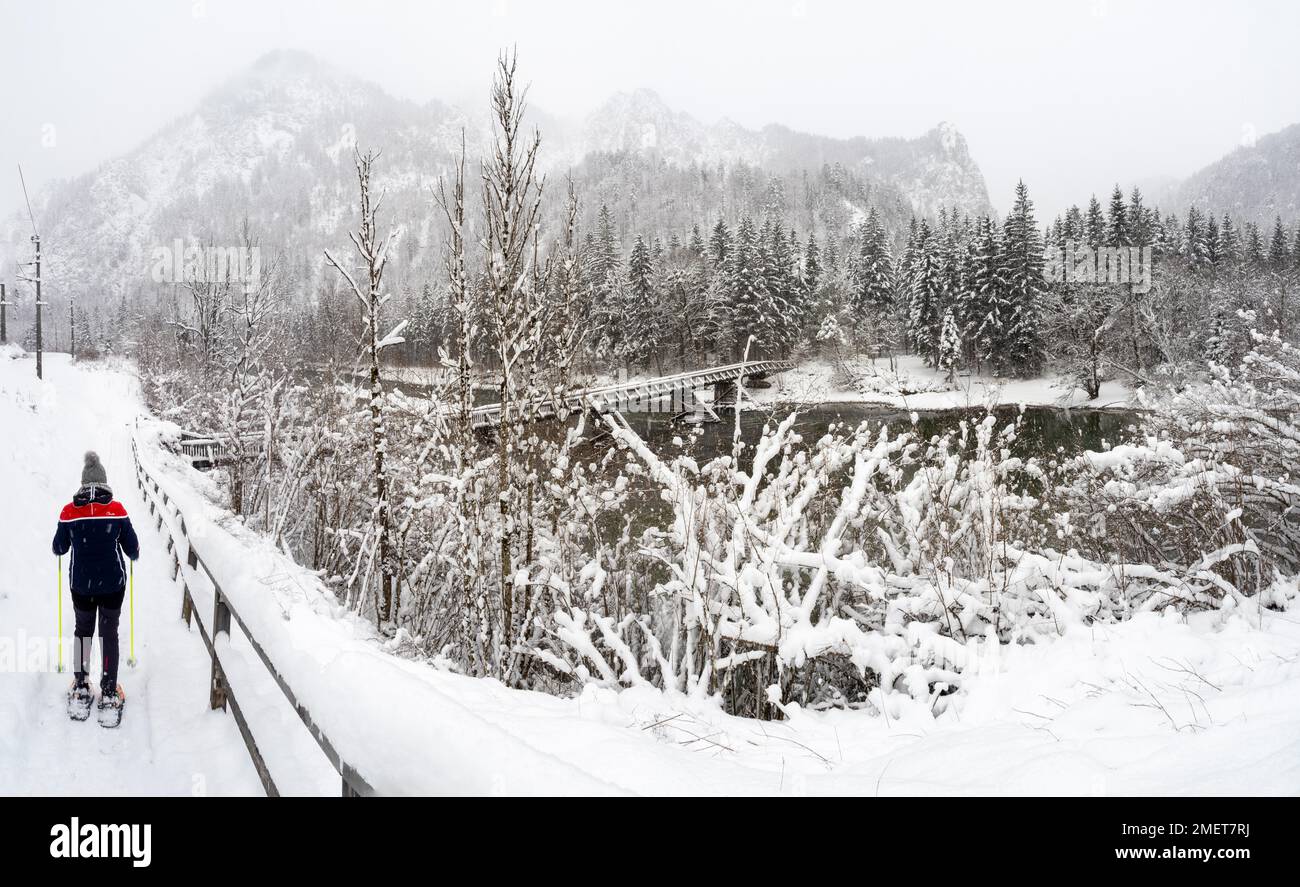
98,531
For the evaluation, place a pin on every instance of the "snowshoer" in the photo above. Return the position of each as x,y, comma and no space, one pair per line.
96,528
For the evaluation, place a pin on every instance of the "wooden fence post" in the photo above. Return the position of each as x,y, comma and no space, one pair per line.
220,623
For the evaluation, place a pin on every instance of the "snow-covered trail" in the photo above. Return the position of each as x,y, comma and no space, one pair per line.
169,743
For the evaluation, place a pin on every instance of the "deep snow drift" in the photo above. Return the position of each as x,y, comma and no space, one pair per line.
1162,704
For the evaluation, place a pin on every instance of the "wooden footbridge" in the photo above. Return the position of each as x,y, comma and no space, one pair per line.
203,450
674,394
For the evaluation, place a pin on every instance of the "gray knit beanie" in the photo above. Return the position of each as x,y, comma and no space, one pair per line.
93,472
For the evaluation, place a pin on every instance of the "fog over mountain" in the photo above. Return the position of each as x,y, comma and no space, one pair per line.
1257,182
274,146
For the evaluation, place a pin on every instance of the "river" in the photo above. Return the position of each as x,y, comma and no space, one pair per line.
1045,432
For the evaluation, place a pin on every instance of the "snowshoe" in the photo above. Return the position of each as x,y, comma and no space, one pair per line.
80,700
110,708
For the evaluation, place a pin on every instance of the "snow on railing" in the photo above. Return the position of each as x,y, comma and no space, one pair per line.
387,725
221,695
209,450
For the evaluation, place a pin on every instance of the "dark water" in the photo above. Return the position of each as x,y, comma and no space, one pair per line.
1044,431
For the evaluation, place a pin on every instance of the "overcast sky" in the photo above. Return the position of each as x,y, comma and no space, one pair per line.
1072,96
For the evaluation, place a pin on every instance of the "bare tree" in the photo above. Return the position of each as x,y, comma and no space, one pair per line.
512,196
209,284
249,412
473,622
373,252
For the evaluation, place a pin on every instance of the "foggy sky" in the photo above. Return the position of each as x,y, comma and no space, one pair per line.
1072,96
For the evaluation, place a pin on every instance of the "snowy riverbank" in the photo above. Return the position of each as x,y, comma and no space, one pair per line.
911,385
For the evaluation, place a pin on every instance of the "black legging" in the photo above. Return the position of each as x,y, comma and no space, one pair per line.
108,607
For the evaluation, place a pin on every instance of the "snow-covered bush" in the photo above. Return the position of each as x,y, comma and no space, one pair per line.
836,573
1204,501
1239,437
1246,423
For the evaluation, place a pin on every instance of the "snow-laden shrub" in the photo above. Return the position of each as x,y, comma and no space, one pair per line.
1246,424
1206,499
1215,478
838,571
1170,517
867,563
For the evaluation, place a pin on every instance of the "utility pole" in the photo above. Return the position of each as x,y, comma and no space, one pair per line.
72,328
4,320
36,239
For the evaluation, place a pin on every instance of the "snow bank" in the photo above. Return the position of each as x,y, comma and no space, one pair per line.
909,385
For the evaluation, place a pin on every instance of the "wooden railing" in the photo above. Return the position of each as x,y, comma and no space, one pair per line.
221,694
209,450
606,398
203,452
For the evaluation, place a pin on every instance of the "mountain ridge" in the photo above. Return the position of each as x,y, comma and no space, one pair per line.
272,143
1255,182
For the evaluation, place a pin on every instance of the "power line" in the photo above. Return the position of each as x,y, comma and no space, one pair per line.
22,179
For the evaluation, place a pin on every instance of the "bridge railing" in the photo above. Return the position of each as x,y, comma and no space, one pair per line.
171,521
206,450
602,393
749,368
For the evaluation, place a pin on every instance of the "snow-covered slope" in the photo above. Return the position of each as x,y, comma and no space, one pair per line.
912,385
273,146
641,121
931,171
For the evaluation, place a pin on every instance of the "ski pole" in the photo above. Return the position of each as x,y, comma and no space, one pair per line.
60,568
131,660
